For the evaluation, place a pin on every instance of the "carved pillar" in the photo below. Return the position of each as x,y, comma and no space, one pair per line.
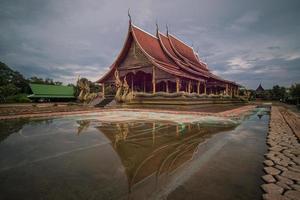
153,80
204,87
177,84
189,87
198,87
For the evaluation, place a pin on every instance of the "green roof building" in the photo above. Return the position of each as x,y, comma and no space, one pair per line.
51,91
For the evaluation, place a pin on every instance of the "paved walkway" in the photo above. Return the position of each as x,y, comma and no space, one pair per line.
282,164
232,113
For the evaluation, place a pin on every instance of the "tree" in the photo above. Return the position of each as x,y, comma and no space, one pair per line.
71,85
278,93
49,81
37,80
295,90
8,90
57,83
9,76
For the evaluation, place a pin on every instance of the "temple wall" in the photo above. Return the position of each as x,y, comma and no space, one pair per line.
134,59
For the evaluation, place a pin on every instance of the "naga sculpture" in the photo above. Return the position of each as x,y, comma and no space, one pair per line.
123,93
125,90
118,84
85,95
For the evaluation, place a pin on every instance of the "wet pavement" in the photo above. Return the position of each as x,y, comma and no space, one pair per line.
84,158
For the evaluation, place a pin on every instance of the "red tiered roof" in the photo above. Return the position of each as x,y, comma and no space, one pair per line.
166,46
186,52
167,53
150,45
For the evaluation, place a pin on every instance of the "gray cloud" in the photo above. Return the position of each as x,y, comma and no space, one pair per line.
246,41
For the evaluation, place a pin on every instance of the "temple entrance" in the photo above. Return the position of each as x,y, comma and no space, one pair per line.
139,81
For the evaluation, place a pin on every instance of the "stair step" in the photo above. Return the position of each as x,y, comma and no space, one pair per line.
105,102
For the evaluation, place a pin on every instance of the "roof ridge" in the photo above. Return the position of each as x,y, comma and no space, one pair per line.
181,41
144,31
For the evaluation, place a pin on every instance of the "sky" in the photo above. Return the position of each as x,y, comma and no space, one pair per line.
249,42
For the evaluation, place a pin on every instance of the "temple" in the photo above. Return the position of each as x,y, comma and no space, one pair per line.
161,65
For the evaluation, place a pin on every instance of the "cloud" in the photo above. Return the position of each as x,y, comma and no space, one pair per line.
273,47
245,41
245,20
238,63
292,56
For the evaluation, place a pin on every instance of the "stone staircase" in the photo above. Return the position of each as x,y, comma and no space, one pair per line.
106,101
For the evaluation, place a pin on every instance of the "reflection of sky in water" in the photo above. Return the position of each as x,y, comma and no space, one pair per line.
84,158
121,116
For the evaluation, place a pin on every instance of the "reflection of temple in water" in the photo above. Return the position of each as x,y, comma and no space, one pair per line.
8,127
83,125
151,148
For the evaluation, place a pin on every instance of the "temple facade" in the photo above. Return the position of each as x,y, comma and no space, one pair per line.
161,64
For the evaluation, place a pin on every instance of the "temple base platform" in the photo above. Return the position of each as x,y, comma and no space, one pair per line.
181,102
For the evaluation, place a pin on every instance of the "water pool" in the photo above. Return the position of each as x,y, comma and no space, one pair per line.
85,158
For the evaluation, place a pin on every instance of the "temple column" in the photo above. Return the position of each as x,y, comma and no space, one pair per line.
233,91
177,84
189,87
103,89
198,87
132,83
153,80
204,87
186,86
144,85
153,133
167,86
226,89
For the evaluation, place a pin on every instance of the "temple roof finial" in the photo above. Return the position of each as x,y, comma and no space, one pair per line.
156,23
129,15
167,29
